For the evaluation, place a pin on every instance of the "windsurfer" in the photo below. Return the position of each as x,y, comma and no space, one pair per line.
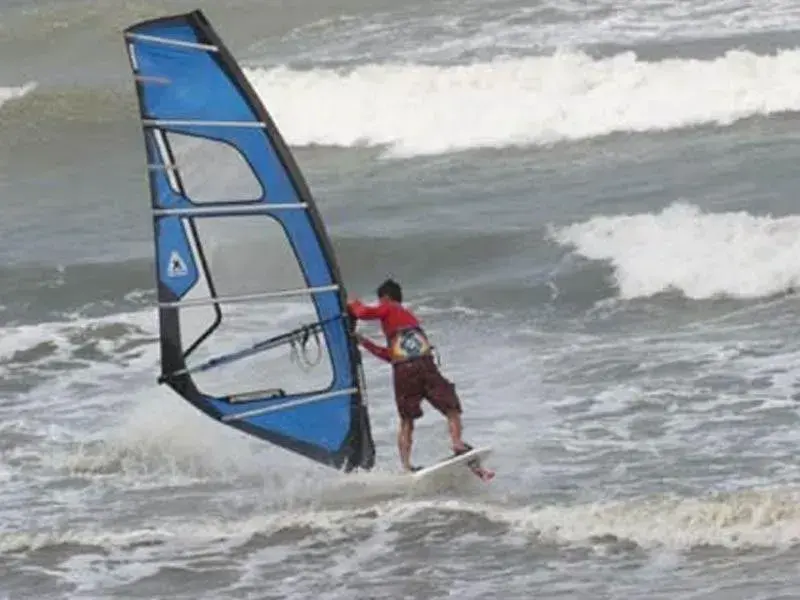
415,373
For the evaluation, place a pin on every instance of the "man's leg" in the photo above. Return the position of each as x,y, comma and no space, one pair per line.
454,426
459,447
441,393
408,397
404,441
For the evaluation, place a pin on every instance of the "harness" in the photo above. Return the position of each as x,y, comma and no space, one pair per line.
408,344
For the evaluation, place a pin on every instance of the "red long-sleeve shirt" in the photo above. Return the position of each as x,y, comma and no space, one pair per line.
393,317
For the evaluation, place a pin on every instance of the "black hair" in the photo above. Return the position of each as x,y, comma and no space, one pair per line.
391,289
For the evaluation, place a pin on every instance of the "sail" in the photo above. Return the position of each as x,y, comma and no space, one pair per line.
252,315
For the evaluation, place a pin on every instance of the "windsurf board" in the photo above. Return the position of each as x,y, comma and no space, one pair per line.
453,464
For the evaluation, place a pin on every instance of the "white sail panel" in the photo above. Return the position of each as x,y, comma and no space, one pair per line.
294,368
212,171
249,254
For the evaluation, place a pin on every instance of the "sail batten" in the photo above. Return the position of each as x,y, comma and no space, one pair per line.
152,79
201,123
287,405
228,210
170,42
249,297
252,313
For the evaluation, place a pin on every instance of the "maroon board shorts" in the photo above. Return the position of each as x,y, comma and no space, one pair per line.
420,378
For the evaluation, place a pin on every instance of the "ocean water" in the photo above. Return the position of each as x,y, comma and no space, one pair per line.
592,206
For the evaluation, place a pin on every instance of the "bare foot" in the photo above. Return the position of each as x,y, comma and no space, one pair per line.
462,449
483,474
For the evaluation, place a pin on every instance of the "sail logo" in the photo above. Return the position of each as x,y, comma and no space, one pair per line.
176,266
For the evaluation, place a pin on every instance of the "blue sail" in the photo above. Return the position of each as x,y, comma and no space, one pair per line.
238,241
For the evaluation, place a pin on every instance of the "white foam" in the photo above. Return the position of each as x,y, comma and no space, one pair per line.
700,254
9,93
639,21
745,519
200,530
468,28
158,438
425,109
755,518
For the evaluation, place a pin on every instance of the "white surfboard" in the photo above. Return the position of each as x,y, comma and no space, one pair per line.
452,465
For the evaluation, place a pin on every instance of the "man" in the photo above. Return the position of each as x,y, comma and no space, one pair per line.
415,373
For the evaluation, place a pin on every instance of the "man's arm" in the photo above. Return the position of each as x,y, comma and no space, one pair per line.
359,310
379,351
